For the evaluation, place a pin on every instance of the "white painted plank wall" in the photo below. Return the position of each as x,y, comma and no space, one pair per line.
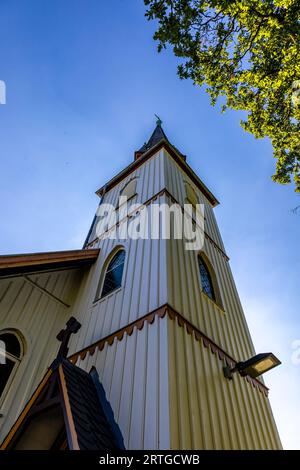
134,374
144,286
150,181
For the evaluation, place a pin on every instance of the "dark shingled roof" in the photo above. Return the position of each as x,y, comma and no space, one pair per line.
88,421
91,425
157,136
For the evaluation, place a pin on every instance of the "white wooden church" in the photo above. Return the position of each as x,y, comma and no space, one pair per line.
126,343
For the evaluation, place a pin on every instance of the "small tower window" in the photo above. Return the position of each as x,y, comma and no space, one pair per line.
129,189
191,196
113,274
206,280
11,352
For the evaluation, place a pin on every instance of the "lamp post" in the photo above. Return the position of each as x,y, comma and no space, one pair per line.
254,366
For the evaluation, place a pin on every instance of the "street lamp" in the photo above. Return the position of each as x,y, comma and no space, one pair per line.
254,366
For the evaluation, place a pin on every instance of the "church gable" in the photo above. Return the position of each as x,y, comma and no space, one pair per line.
162,325
66,411
37,293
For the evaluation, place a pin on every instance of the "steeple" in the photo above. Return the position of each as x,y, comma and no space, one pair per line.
157,136
162,326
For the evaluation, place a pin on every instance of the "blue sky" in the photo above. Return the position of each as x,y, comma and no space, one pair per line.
83,83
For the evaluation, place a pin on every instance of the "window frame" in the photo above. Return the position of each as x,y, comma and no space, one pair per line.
133,180
17,361
191,196
202,262
99,296
217,300
120,207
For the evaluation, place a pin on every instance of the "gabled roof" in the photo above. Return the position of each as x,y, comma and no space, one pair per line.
92,429
85,423
32,262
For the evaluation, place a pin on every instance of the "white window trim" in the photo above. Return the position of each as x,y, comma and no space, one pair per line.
98,296
16,360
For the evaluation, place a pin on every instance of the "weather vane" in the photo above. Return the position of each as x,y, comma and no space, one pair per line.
158,121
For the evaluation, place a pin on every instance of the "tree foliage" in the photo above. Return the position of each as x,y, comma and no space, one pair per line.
248,52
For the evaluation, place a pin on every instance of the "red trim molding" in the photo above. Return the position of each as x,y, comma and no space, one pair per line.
191,329
139,324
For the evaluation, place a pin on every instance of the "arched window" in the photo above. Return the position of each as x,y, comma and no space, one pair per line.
11,352
113,275
191,196
206,279
129,189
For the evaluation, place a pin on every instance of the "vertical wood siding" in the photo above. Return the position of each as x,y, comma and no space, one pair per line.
208,411
150,180
133,372
175,180
144,284
227,325
38,318
144,288
158,378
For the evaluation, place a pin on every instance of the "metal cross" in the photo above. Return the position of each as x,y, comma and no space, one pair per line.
72,326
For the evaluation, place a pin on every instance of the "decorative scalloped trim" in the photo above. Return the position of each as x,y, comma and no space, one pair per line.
192,330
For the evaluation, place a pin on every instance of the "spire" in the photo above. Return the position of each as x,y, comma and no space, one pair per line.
157,136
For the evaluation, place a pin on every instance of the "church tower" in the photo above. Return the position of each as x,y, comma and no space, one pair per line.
159,322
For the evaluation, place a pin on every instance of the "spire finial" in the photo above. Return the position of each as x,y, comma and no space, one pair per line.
158,120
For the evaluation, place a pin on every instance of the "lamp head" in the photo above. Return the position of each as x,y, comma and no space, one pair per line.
258,364
254,366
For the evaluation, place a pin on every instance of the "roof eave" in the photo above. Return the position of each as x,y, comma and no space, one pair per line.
32,262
